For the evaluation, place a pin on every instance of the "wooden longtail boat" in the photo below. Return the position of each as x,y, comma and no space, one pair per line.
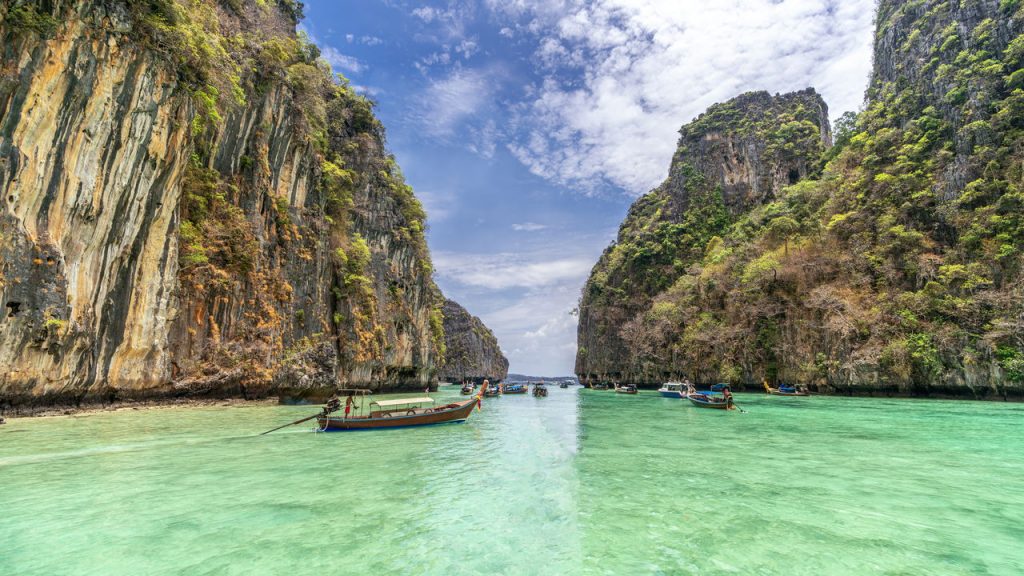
401,413
540,390
627,389
598,386
706,401
784,391
515,389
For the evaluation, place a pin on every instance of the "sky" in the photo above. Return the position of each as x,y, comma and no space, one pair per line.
528,127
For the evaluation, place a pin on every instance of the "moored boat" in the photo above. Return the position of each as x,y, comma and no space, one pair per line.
515,389
784,390
675,389
711,401
688,391
466,390
540,390
401,413
626,389
563,385
598,386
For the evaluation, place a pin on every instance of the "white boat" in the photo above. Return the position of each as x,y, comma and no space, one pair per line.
672,389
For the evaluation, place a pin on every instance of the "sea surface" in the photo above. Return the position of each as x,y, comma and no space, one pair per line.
580,482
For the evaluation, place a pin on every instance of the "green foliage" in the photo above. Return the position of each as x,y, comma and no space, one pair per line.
293,8
1012,361
215,235
437,332
901,260
28,17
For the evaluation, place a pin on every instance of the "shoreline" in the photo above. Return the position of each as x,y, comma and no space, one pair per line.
165,403
1007,394
110,399
121,406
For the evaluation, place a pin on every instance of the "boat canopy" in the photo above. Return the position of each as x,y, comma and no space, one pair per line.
402,401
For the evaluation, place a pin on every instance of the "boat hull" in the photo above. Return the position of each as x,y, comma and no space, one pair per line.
457,413
671,394
705,403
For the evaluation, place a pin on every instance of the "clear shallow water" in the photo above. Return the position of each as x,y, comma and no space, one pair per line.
581,482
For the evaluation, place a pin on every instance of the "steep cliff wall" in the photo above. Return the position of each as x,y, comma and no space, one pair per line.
192,205
471,350
898,270
736,156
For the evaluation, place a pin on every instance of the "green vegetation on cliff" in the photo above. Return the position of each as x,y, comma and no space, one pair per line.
899,267
263,234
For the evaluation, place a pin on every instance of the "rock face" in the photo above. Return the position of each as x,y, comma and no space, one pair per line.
190,205
471,351
897,270
737,155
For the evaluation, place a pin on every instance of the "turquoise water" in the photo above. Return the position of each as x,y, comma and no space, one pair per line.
580,482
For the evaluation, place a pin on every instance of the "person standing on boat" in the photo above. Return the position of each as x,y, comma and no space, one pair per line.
349,402
728,396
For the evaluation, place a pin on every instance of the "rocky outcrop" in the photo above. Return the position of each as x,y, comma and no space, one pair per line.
471,350
736,156
895,271
192,207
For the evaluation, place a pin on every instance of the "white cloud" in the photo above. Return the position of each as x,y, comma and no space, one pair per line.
459,108
337,60
438,205
467,48
528,227
340,61
367,90
642,68
526,298
450,101
426,13
509,270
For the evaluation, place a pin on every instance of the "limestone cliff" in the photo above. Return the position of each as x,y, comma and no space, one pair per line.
737,155
897,270
471,350
191,204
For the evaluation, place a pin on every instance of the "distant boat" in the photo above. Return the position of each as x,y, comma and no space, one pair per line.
401,413
492,391
784,390
598,386
711,401
467,389
540,390
563,385
515,389
627,389
676,389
